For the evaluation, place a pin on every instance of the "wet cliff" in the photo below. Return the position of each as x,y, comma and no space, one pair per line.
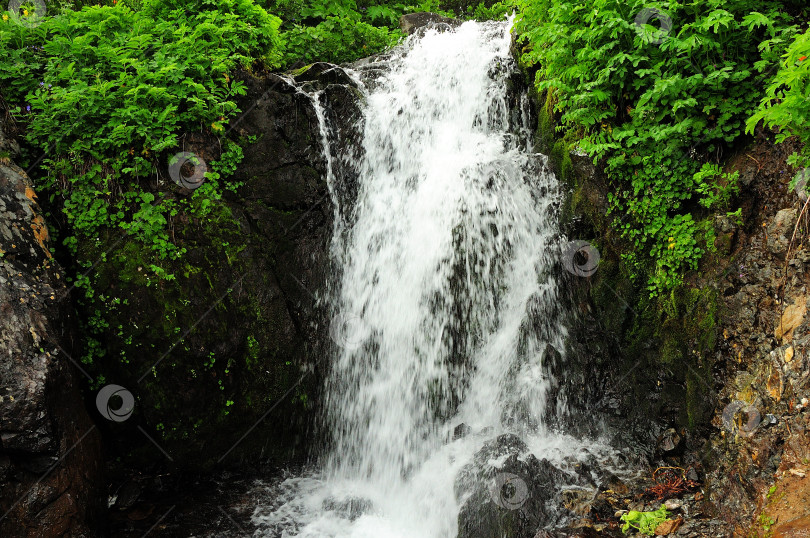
215,368
712,379
51,481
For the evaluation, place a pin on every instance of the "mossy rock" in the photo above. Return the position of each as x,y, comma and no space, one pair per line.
662,341
222,346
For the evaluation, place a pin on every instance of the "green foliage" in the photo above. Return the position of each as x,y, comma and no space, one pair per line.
654,105
786,104
336,30
336,39
644,522
766,522
105,92
342,30
495,12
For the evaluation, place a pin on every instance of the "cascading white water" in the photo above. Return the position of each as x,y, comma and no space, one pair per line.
445,255
447,299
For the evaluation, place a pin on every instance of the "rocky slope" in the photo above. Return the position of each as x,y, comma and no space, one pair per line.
714,379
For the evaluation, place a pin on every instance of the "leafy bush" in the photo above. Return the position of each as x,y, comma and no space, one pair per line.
336,39
343,30
786,105
497,11
655,104
105,92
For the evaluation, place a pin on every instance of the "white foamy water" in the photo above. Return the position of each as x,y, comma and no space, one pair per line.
447,296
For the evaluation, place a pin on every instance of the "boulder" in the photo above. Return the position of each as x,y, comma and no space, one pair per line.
507,491
780,231
412,22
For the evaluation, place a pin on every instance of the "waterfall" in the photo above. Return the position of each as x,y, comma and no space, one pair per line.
449,250
445,308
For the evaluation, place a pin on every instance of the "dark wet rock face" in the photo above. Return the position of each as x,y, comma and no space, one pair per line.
227,355
760,421
507,491
414,22
50,465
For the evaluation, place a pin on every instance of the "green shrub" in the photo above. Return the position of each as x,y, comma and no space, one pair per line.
786,104
494,12
336,39
655,105
344,30
106,91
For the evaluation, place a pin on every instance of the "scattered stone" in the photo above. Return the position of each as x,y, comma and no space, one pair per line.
350,508
578,500
803,255
780,231
670,442
672,504
798,472
636,506
723,223
616,485
461,431
127,495
791,318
